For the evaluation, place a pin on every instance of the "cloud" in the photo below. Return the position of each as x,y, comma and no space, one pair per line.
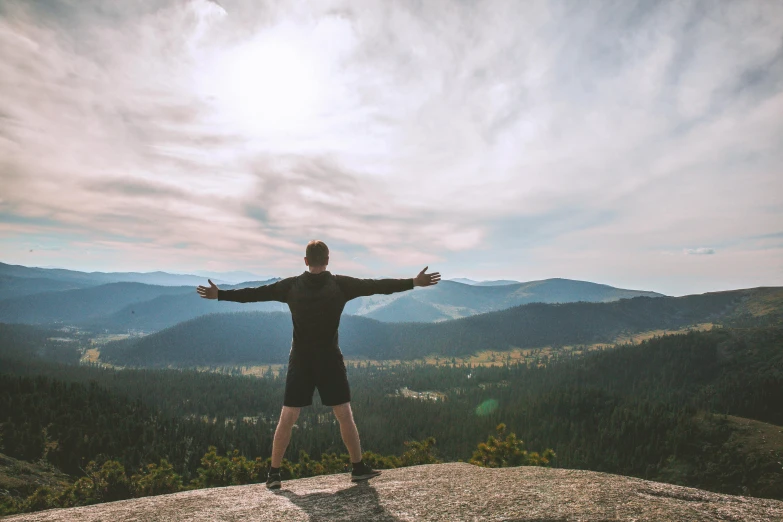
499,139
699,251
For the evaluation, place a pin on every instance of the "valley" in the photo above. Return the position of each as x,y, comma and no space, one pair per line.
676,408
677,389
487,358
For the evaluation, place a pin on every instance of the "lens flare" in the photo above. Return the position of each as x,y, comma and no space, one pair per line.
486,407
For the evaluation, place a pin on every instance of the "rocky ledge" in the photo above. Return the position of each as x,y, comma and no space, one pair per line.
448,492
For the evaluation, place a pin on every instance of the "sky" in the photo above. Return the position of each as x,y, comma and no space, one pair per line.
636,144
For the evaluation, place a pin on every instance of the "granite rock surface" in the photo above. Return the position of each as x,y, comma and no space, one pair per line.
443,492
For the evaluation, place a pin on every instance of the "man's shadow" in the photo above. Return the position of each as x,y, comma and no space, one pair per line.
358,502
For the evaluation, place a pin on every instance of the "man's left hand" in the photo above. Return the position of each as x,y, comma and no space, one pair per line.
426,279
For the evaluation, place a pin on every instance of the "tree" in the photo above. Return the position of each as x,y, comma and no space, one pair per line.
420,452
109,481
156,479
507,451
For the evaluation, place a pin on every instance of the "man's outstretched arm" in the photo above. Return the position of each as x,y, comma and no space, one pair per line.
277,291
353,287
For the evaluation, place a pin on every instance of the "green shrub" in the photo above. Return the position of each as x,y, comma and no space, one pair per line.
507,451
156,479
419,452
219,471
215,471
39,500
333,463
308,467
108,481
9,505
380,462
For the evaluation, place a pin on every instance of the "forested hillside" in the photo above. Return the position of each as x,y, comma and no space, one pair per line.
652,410
261,338
26,342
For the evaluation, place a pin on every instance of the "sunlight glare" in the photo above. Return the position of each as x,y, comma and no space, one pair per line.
266,86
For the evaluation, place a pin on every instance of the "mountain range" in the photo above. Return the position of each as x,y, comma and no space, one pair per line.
130,301
18,280
452,300
498,282
265,338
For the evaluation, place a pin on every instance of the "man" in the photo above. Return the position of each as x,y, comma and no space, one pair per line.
316,299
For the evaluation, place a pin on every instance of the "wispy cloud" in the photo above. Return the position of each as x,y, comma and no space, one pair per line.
491,140
700,251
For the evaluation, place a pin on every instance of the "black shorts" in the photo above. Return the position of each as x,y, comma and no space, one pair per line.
305,374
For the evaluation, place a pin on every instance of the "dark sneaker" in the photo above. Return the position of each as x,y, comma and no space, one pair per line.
363,472
273,481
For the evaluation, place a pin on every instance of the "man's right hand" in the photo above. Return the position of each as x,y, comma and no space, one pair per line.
209,292
426,279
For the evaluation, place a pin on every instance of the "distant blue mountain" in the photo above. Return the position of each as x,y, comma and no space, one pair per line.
232,277
452,300
499,282
84,279
44,296
167,310
11,287
18,281
121,306
84,304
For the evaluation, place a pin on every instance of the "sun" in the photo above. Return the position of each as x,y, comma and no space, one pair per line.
266,86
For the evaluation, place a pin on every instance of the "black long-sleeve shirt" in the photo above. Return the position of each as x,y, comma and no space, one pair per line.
316,302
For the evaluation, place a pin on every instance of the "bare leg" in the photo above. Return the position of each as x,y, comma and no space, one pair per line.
283,434
348,430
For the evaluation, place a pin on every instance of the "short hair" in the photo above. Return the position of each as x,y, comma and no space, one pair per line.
316,253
